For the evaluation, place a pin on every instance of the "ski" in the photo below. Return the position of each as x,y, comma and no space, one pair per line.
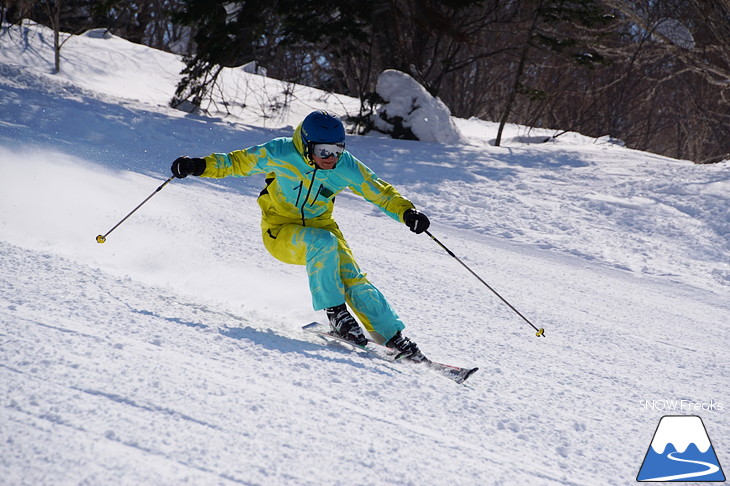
455,373
371,348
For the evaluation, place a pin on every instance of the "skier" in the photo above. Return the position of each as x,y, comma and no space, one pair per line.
304,173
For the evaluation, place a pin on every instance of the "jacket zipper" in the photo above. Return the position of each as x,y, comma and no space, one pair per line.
309,192
299,194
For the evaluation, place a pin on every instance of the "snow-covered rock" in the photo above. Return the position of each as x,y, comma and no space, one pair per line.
411,110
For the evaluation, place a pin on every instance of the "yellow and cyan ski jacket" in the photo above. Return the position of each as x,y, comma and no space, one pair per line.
296,191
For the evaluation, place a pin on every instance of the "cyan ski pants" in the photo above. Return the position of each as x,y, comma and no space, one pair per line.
334,276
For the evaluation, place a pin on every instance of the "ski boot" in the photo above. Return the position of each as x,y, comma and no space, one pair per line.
344,325
409,350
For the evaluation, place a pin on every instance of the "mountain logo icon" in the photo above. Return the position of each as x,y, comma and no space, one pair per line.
681,451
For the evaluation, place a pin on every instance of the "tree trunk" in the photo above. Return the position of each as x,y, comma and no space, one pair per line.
53,9
518,75
56,38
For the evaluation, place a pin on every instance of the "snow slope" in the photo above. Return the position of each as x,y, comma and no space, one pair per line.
172,354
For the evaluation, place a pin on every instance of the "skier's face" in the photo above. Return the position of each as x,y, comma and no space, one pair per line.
325,164
326,155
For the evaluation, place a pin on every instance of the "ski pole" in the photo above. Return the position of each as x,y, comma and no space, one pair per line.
102,238
540,332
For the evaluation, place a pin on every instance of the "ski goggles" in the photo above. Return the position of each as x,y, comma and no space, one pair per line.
327,150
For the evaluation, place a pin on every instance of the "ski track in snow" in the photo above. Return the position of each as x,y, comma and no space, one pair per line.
172,354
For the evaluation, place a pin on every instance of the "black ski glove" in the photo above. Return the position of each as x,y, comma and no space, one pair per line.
185,166
416,221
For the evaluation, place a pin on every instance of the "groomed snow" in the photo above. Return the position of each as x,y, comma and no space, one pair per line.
172,353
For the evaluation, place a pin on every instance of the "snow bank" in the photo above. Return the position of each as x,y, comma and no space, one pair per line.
409,107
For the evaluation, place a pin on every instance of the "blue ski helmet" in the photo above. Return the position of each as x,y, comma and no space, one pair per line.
321,127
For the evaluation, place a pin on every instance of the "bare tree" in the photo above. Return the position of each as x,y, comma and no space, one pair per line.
65,17
529,35
53,8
